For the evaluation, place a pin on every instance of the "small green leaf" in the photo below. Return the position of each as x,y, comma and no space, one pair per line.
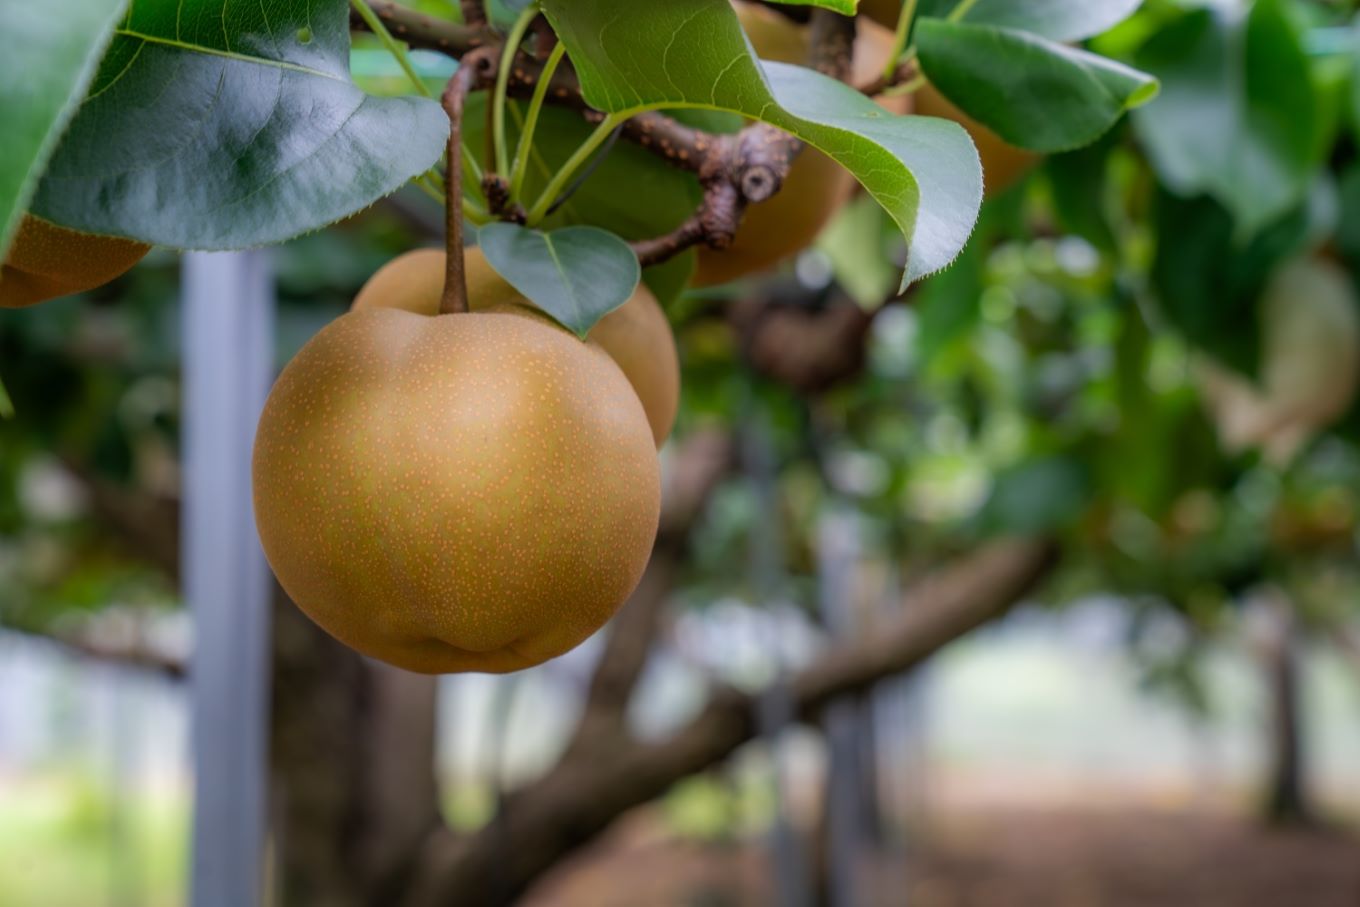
48,54
693,53
214,126
1238,117
6,405
1060,20
1032,92
577,275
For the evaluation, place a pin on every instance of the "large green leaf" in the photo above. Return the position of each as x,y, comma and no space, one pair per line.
1238,115
1032,92
577,275
215,126
1061,20
48,55
693,53
1081,190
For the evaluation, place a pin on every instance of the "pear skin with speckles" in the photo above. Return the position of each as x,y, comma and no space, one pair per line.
636,335
46,261
473,492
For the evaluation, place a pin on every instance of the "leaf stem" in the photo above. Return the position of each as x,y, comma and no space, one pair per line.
526,135
904,23
512,46
394,47
574,163
962,9
911,86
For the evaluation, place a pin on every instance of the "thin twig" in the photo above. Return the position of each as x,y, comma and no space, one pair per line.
474,11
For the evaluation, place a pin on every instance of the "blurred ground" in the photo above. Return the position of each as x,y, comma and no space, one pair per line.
1013,858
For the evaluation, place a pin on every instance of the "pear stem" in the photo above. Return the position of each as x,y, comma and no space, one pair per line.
474,67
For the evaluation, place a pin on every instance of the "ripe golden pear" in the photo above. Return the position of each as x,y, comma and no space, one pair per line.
470,492
47,261
816,187
1003,165
1310,364
636,335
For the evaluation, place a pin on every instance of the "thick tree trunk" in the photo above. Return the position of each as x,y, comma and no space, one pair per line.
352,754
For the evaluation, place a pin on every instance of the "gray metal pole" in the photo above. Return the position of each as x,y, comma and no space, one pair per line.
837,555
228,367
774,706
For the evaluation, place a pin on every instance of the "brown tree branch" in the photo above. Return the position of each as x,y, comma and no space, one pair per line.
736,171
579,799
832,45
806,349
474,12
427,32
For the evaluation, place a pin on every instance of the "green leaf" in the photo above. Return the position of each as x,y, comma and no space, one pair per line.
1081,192
1060,20
1032,92
6,405
48,55
844,7
693,53
1238,117
220,126
856,242
577,275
